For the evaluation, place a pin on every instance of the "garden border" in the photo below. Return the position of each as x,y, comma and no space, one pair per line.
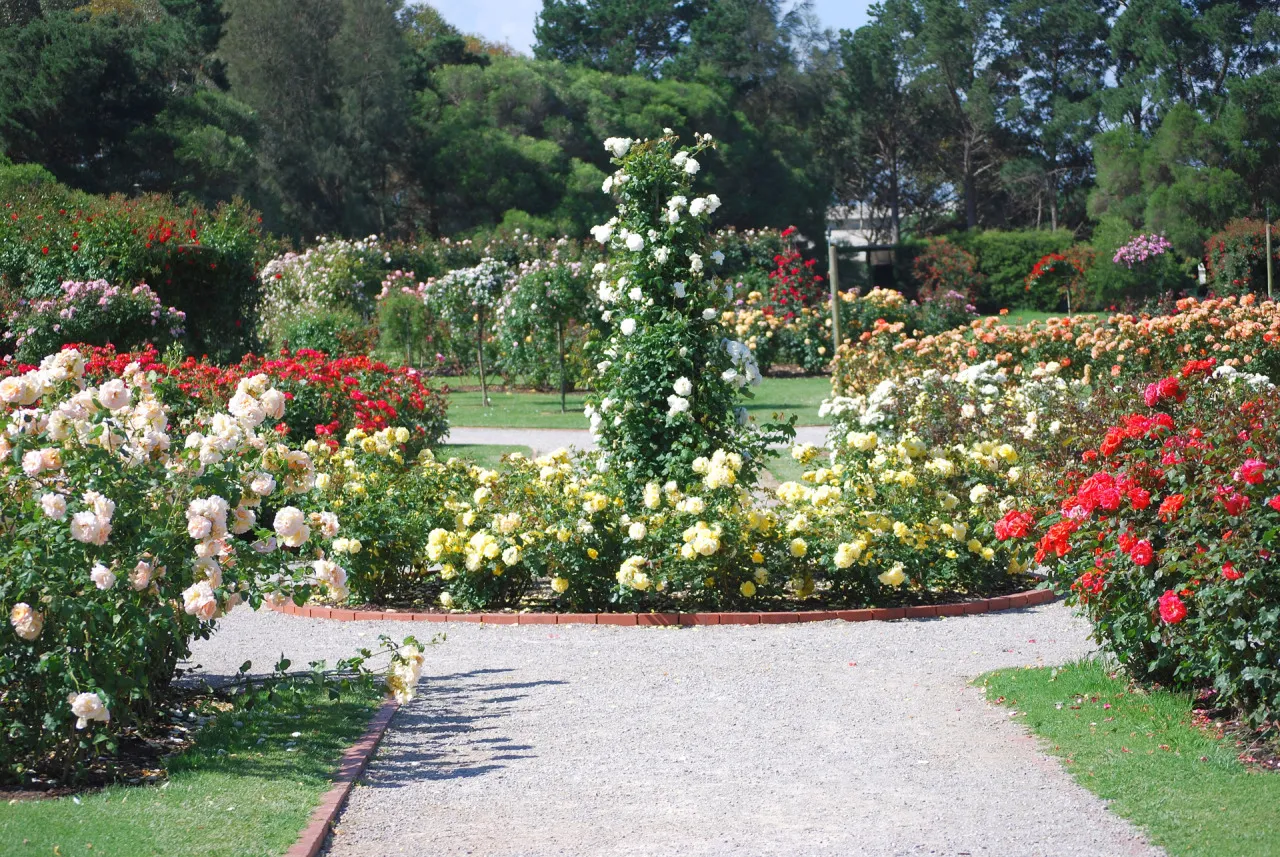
1030,598
312,838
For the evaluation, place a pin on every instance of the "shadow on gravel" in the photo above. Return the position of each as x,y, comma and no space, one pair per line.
442,735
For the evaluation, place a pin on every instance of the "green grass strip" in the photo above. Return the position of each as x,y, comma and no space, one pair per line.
241,791
1140,751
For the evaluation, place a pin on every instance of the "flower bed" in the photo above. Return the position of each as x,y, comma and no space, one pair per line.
1165,538
119,545
1236,331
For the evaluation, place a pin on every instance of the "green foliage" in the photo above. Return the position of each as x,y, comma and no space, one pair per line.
1005,258
339,332
203,262
668,380
542,325
1236,257
1114,284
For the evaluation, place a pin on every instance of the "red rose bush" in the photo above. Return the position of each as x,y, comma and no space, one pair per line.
1165,539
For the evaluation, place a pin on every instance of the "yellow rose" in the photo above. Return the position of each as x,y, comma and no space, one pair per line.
798,547
747,588
559,585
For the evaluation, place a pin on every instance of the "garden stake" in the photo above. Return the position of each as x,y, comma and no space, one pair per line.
560,350
833,273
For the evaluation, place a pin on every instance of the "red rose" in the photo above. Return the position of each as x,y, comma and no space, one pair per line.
1172,610
1251,471
1139,498
1173,503
1229,572
1142,553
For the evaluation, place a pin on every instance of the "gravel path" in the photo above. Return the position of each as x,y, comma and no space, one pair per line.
542,441
820,739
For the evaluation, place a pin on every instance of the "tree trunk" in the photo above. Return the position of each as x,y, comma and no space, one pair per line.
970,187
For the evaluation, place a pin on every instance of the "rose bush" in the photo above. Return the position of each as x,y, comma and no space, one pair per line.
1165,537
96,313
668,378
121,542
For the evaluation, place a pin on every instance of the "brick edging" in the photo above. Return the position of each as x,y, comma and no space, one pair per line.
353,763
1030,598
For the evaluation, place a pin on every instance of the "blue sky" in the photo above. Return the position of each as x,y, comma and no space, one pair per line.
512,20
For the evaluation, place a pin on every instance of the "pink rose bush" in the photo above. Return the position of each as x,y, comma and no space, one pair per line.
124,534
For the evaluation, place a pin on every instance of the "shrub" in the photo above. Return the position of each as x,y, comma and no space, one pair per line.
1236,331
96,313
339,332
201,262
1236,257
1165,541
327,397
1115,281
945,267
336,275
1059,276
119,544
668,379
542,323
1003,260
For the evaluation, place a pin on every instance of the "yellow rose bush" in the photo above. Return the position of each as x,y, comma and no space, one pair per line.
125,533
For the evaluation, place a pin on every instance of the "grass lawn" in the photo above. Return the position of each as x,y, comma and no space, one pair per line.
1019,317
799,396
254,800
485,455
1143,754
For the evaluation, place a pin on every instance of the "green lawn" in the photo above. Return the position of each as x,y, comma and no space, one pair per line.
799,396
1142,753
485,455
1019,317
254,800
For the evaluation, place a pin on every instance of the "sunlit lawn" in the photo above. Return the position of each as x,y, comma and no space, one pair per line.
1140,751
799,396
244,790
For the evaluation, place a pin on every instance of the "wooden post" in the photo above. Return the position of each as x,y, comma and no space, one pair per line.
833,275
560,349
1269,252
484,388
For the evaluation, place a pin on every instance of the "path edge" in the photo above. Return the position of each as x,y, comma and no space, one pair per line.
352,765
1019,600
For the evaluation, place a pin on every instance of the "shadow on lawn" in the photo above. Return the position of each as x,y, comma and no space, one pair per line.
442,734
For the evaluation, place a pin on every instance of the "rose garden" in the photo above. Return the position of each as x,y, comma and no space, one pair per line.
643,539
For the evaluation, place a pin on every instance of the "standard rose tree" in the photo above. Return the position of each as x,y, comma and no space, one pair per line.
670,379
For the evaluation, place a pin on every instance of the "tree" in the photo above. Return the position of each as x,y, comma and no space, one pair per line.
1057,53
327,80
617,36
877,129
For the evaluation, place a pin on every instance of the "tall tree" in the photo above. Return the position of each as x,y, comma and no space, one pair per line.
1057,52
617,36
878,129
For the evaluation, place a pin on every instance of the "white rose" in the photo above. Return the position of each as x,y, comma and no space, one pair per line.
661,255
709,313
102,577
618,146
717,257
27,623
86,707
680,289
54,506
628,326
262,484
290,526
683,386
635,294
695,262
677,405
114,395
713,202
635,242
691,166
637,531
198,600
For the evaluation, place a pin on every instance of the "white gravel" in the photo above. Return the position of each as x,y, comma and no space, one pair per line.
829,738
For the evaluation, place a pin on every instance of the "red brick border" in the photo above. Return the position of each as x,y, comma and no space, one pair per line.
1031,598
353,763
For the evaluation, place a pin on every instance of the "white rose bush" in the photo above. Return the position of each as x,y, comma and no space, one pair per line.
123,536
670,379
